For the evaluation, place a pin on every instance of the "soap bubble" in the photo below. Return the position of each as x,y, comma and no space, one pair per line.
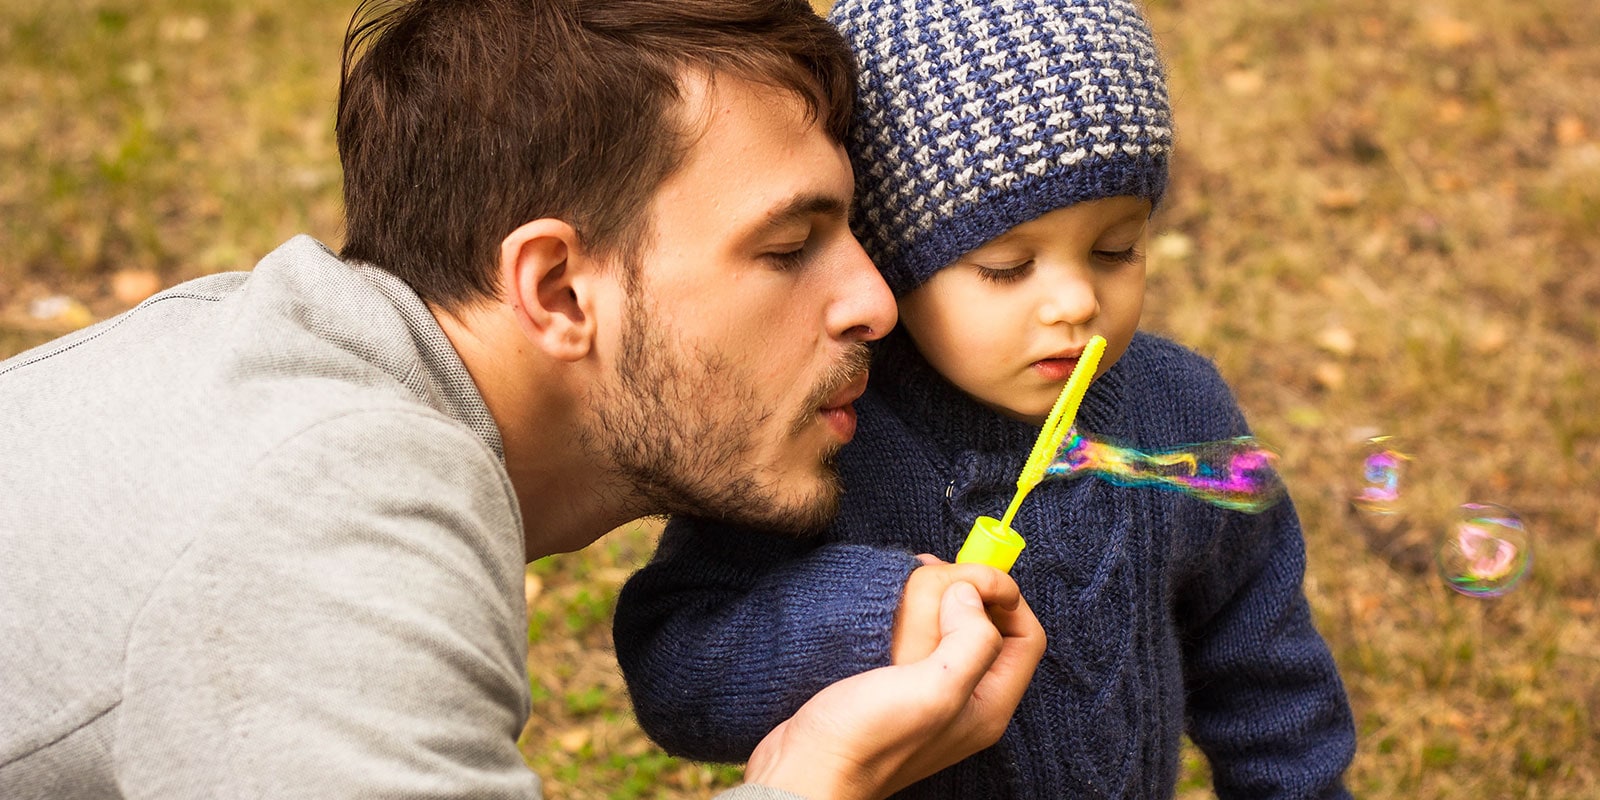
1237,474
1485,552
1382,468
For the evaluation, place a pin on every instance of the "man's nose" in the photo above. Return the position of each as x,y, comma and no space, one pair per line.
865,309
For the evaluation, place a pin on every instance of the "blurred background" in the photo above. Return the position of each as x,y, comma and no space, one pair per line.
1383,222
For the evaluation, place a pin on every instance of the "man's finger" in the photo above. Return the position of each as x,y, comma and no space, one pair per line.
969,642
995,587
1002,685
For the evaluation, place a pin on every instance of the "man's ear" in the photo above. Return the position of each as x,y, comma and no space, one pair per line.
547,279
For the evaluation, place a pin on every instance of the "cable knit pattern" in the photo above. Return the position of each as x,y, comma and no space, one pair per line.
1163,613
973,117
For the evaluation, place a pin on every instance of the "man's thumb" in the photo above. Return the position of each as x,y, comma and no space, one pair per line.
961,606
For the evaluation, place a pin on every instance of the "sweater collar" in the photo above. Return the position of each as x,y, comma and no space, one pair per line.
437,375
934,407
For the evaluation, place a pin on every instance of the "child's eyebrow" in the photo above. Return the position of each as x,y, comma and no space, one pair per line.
999,241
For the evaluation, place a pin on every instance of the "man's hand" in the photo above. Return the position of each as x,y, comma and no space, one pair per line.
876,733
916,624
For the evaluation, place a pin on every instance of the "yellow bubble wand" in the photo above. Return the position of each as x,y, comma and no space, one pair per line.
992,541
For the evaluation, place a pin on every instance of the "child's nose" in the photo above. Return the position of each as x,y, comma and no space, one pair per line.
1069,300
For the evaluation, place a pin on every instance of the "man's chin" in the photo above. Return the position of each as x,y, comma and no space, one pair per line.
796,516
805,521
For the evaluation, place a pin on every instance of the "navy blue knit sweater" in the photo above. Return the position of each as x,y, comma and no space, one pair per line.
1163,613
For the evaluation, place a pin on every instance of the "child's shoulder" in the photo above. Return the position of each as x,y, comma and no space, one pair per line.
1175,384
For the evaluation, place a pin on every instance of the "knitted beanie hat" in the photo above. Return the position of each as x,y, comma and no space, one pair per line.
975,116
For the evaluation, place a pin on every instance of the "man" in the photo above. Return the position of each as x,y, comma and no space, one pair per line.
264,534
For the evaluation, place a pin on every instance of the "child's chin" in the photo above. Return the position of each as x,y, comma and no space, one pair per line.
1028,414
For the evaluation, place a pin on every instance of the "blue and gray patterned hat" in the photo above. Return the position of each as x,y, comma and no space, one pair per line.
975,116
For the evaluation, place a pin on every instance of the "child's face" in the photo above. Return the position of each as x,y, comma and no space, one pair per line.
1005,323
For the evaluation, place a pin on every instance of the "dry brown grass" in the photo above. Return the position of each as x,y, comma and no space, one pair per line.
1383,221
1391,213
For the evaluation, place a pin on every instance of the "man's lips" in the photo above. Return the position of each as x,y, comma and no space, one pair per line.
838,412
847,394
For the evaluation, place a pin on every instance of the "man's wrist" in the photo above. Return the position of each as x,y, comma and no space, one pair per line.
757,791
776,764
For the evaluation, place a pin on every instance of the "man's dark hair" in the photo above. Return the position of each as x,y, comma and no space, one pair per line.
460,120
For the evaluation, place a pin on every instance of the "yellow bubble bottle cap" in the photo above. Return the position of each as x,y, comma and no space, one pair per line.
991,542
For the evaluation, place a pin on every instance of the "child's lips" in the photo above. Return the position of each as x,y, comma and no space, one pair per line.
1055,369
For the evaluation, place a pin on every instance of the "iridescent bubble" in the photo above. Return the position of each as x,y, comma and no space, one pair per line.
1238,474
1485,552
1382,470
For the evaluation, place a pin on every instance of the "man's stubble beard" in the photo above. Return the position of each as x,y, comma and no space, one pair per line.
682,454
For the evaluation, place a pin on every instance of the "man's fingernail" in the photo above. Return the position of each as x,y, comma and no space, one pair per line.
967,593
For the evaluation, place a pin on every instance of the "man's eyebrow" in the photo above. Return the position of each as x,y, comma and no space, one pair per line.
801,207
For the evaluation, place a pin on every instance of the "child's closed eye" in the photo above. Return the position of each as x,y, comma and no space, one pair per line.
1126,256
1004,274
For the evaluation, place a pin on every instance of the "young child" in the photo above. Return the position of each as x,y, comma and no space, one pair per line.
1009,154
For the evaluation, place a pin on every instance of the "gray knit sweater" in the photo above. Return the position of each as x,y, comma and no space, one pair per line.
256,540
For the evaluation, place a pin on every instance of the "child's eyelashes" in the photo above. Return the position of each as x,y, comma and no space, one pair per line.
1006,274
1010,273
1128,256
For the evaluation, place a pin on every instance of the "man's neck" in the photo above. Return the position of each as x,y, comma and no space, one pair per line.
567,494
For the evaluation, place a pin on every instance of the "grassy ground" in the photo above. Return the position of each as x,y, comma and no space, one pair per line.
1383,220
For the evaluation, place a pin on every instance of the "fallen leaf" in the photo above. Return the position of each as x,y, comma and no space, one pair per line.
1364,607
1339,199
532,587
574,739
1337,340
61,311
1450,111
1243,82
1448,33
184,29
1447,182
1328,375
1491,338
1172,246
131,286
1570,130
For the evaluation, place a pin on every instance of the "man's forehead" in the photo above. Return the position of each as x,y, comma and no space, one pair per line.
760,142
709,99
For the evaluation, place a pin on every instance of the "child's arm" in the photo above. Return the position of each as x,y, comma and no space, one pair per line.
887,728
1266,703
728,631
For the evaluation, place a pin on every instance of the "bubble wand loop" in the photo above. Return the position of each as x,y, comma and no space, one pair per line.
992,541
